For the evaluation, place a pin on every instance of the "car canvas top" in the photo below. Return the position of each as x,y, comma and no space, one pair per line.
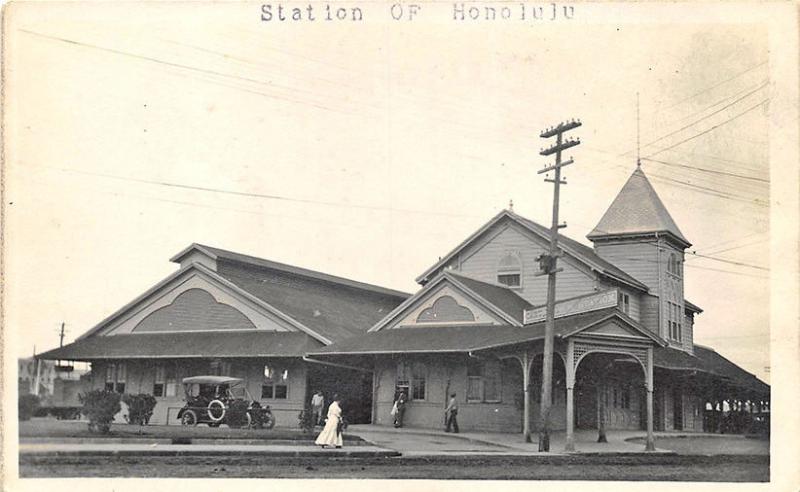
211,380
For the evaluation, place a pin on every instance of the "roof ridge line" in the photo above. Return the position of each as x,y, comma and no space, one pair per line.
285,267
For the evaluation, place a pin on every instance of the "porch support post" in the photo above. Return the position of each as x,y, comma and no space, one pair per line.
526,405
569,366
650,444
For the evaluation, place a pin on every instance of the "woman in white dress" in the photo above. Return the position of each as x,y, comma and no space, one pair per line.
331,435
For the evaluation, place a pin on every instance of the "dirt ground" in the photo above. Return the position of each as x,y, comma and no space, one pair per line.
714,445
650,468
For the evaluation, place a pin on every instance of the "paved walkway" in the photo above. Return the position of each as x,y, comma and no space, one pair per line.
385,441
417,441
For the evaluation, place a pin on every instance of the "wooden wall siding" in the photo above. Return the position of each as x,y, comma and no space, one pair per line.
480,314
127,323
671,290
638,259
634,296
648,313
635,303
688,333
141,377
504,416
195,309
481,259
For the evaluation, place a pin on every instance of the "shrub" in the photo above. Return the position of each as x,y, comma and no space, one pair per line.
28,404
100,406
306,420
140,408
236,414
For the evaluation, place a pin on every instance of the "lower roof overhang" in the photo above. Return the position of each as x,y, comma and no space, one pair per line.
229,344
469,338
708,363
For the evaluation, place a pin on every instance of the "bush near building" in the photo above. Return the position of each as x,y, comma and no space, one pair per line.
140,408
100,406
28,404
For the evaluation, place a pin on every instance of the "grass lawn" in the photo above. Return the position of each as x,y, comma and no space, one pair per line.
643,468
43,427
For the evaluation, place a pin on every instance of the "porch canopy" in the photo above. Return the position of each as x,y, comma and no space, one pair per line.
456,338
256,343
715,369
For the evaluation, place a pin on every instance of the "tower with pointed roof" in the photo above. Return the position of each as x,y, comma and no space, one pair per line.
638,234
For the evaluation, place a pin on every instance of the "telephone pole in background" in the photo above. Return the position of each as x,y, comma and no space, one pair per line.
548,265
61,335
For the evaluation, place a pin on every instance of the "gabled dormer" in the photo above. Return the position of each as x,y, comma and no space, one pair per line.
638,235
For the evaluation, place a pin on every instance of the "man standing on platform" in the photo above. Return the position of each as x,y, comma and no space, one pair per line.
317,405
450,415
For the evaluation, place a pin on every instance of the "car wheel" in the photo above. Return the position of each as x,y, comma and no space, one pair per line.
189,418
216,411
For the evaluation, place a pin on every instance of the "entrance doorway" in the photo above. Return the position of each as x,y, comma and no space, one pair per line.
353,387
677,409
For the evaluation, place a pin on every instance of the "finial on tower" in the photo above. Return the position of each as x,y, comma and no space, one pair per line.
511,205
638,155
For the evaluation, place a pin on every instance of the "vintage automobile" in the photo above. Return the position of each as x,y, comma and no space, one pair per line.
217,400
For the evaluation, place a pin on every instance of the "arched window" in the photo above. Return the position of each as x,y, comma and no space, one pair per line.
509,270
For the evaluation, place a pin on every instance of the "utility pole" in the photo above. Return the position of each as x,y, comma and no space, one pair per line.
547,264
61,335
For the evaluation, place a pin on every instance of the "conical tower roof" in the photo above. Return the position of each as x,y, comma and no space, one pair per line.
637,210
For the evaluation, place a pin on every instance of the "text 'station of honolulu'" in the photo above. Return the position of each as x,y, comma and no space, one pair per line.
456,12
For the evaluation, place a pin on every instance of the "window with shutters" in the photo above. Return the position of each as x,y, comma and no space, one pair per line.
509,270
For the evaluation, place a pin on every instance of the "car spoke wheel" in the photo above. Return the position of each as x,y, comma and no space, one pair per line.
189,418
216,411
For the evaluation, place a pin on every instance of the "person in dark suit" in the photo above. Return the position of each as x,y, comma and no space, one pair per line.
450,415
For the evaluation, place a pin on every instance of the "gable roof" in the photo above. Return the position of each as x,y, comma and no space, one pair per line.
637,209
498,300
212,276
324,307
217,253
581,252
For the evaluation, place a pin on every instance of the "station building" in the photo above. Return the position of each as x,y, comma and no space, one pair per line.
625,355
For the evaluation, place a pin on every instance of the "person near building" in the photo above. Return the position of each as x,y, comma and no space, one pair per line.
450,415
400,405
317,405
331,434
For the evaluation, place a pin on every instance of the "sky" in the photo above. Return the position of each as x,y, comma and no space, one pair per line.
366,150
